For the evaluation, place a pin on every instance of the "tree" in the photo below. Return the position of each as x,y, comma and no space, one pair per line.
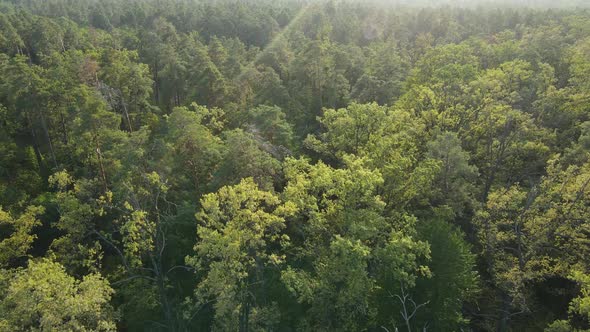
46,37
23,93
530,235
20,173
350,249
127,86
247,155
507,142
383,76
17,241
76,248
506,242
389,138
338,289
9,38
454,186
270,123
350,130
241,236
454,280
194,150
44,297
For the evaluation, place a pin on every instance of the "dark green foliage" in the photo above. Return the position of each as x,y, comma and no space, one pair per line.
258,165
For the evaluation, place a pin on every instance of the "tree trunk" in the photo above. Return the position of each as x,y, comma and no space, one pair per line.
161,284
38,154
126,114
46,131
156,85
64,130
103,174
505,314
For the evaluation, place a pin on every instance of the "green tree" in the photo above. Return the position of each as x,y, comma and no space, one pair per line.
241,236
195,151
247,155
270,123
349,247
127,87
454,280
454,182
17,234
44,297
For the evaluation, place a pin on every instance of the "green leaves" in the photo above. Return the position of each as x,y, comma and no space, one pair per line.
128,86
17,234
352,167
193,149
43,297
350,130
339,291
270,123
241,237
350,248
454,181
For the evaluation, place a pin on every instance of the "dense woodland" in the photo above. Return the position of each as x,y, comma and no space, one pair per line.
184,165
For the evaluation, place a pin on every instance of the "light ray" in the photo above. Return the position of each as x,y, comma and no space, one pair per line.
282,34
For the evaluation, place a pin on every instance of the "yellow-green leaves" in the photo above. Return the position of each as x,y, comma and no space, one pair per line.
351,248
240,240
139,232
330,197
388,140
581,304
354,129
19,238
542,232
43,297
505,237
61,180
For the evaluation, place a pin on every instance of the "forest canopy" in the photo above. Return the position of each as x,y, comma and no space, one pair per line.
180,165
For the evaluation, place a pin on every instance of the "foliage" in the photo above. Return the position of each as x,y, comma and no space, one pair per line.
44,297
352,166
